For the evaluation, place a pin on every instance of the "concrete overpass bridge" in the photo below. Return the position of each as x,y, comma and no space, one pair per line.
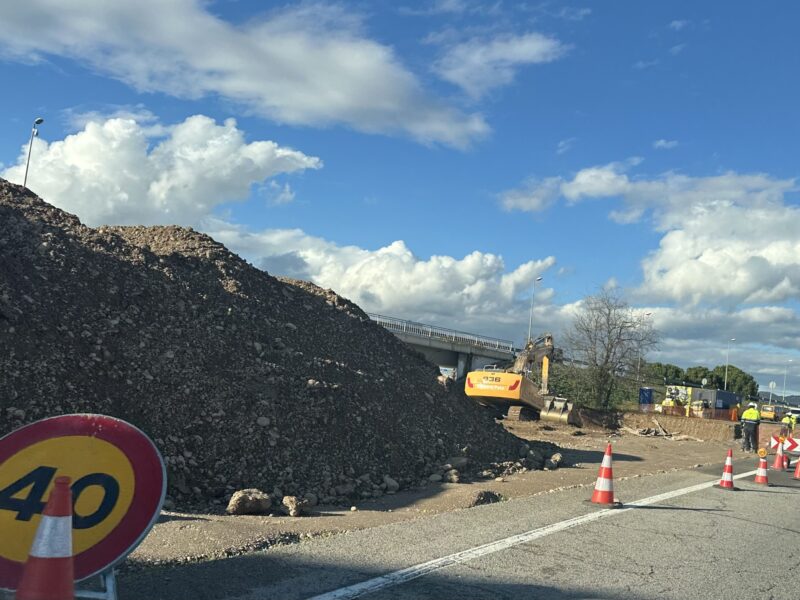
449,348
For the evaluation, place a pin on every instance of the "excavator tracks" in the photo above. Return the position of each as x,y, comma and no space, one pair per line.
521,413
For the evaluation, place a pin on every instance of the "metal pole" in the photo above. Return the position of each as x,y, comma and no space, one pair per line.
727,354
34,133
530,317
785,369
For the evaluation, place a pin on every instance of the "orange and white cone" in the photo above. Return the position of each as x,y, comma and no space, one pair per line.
604,488
48,574
779,464
727,473
761,473
796,471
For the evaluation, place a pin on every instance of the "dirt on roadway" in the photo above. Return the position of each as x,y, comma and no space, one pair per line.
182,537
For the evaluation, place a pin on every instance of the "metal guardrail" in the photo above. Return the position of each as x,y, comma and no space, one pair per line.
432,331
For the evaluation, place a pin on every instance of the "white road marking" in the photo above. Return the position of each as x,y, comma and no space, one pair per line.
398,577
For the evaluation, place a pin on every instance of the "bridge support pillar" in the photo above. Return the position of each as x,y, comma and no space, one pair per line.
464,365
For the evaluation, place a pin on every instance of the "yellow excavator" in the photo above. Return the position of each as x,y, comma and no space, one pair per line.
513,390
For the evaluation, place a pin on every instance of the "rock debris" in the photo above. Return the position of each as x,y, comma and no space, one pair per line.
243,380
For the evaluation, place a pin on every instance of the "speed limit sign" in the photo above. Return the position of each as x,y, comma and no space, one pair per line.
118,487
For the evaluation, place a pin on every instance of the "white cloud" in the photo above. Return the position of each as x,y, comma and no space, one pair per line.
727,239
663,144
480,65
677,49
565,145
309,65
677,25
108,173
279,194
476,291
645,64
438,7
535,196
728,254
78,119
573,14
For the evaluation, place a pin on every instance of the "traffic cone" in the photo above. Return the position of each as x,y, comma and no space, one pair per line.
727,473
48,573
604,488
779,464
761,473
796,471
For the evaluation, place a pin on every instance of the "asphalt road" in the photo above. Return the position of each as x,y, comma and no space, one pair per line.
700,543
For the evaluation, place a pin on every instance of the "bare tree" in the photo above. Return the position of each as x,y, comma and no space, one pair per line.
609,337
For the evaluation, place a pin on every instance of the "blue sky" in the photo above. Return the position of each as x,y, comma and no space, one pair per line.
430,159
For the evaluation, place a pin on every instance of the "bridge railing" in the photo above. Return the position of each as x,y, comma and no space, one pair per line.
441,333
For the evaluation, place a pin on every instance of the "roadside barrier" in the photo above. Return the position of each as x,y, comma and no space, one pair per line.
761,473
604,487
726,483
48,573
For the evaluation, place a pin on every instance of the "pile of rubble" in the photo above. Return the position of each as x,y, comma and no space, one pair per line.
243,380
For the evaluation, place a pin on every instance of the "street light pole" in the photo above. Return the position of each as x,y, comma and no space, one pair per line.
530,317
727,354
785,369
639,354
34,133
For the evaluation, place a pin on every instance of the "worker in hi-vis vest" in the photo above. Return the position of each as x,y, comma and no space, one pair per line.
789,421
750,420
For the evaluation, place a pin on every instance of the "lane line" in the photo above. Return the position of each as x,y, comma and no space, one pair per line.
404,575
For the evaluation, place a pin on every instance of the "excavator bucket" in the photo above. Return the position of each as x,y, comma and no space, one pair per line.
557,409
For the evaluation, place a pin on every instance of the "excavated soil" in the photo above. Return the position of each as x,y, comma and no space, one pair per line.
242,379
705,429
187,537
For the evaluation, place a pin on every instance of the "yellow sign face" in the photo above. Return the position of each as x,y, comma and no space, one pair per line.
102,490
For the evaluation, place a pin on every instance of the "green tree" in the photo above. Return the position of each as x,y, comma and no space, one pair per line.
695,376
739,382
608,338
664,371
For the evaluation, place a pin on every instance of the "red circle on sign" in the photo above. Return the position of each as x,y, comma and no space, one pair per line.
150,487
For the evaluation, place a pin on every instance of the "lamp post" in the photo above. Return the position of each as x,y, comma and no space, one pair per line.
34,133
530,318
785,369
727,354
639,358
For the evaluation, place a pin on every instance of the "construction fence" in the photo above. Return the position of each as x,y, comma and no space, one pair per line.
720,414
691,402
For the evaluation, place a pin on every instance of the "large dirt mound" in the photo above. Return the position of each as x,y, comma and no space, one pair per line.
242,379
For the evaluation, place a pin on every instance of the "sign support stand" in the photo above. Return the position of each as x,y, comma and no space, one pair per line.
108,581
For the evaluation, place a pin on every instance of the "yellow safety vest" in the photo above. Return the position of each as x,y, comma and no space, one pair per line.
751,414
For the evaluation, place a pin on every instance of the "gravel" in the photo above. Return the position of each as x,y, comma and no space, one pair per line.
242,379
